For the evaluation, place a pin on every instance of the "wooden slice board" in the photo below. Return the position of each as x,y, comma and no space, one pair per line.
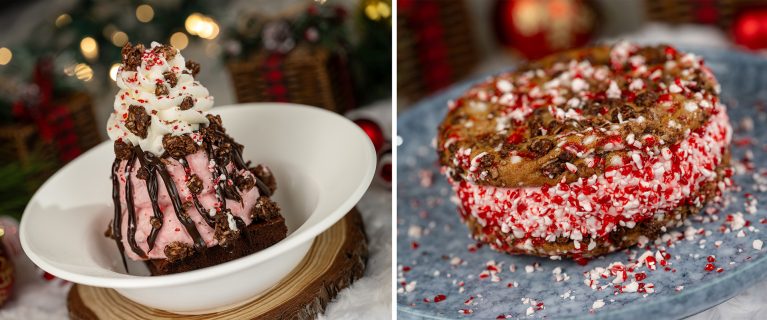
336,259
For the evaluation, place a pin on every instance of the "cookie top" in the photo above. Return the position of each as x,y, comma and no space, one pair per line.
575,114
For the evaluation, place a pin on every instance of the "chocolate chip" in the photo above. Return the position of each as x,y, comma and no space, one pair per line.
123,151
131,56
566,156
187,104
171,78
138,121
540,146
553,168
194,184
160,90
178,146
264,210
142,173
193,67
646,99
176,251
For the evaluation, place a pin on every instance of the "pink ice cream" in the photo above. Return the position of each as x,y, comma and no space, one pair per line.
172,229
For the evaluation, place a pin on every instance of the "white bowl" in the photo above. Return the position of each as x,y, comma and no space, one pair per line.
323,164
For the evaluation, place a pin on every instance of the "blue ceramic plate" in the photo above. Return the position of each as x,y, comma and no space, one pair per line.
435,254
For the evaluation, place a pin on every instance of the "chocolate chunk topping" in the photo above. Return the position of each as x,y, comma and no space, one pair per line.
193,67
223,154
131,56
223,234
160,90
194,184
553,168
541,146
187,104
138,121
215,122
176,251
264,174
171,78
123,151
646,99
168,51
156,223
264,210
244,182
179,146
142,173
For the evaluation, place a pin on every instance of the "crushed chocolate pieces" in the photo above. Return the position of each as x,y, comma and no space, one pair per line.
265,175
223,154
244,182
131,56
553,168
138,121
123,151
161,90
142,173
166,50
177,251
193,67
194,184
179,146
156,223
215,122
187,104
265,209
541,146
222,233
170,78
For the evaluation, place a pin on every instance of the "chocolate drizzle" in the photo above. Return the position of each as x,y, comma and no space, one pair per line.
152,189
208,219
131,209
117,221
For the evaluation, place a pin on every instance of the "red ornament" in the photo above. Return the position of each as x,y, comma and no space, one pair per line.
384,167
374,132
750,29
537,28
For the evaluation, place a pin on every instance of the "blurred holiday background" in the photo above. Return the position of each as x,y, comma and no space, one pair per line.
59,59
440,43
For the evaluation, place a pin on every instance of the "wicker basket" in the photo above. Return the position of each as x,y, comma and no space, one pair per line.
457,37
22,142
718,12
311,75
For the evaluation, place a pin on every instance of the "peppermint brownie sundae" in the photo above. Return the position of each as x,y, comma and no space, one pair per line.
588,151
184,198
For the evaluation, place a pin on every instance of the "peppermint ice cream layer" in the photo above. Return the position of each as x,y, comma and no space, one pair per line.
644,185
172,229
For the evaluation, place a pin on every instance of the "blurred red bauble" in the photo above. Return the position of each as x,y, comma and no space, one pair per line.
536,28
750,29
374,132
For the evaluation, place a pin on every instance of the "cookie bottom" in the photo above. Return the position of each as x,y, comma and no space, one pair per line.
258,236
622,237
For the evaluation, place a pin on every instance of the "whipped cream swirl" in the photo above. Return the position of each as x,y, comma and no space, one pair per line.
139,88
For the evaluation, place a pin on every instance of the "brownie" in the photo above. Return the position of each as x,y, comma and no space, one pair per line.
257,236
